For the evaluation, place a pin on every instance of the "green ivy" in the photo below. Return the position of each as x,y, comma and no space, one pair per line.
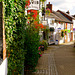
14,18
1,0
44,42
22,39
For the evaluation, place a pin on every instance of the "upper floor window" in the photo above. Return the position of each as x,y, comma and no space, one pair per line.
34,2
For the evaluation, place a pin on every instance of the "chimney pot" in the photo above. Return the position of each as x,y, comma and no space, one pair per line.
49,6
68,12
49,2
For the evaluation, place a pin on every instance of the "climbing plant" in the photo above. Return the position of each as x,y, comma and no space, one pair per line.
32,41
22,38
14,20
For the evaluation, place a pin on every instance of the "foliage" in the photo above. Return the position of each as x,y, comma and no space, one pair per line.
44,42
46,32
1,0
32,41
42,0
39,26
43,11
22,37
48,11
52,29
65,32
27,3
14,18
68,31
31,45
62,33
39,49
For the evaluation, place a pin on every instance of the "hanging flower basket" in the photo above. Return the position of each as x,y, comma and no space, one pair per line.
62,33
48,11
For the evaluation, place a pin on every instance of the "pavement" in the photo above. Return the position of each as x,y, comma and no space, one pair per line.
65,59
57,60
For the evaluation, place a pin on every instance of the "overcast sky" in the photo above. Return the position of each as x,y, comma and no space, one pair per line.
63,5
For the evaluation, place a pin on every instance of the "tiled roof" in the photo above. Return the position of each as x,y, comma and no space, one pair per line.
62,17
73,17
52,15
58,17
66,13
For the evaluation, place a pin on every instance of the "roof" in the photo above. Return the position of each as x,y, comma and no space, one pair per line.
65,13
62,17
58,17
73,17
52,15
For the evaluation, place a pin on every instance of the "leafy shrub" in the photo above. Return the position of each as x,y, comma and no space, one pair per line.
32,42
44,42
39,49
31,45
14,20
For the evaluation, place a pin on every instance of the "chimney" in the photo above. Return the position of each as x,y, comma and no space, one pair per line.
68,12
49,6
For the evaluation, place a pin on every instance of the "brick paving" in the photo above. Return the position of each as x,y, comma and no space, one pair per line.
57,60
46,64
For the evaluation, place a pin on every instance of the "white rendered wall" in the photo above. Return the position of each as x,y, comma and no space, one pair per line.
68,37
3,67
73,23
61,41
73,31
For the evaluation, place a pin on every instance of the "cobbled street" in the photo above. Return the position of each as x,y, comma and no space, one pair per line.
57,60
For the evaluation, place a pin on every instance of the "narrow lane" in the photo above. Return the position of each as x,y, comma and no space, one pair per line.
46,64
57,60
65,59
